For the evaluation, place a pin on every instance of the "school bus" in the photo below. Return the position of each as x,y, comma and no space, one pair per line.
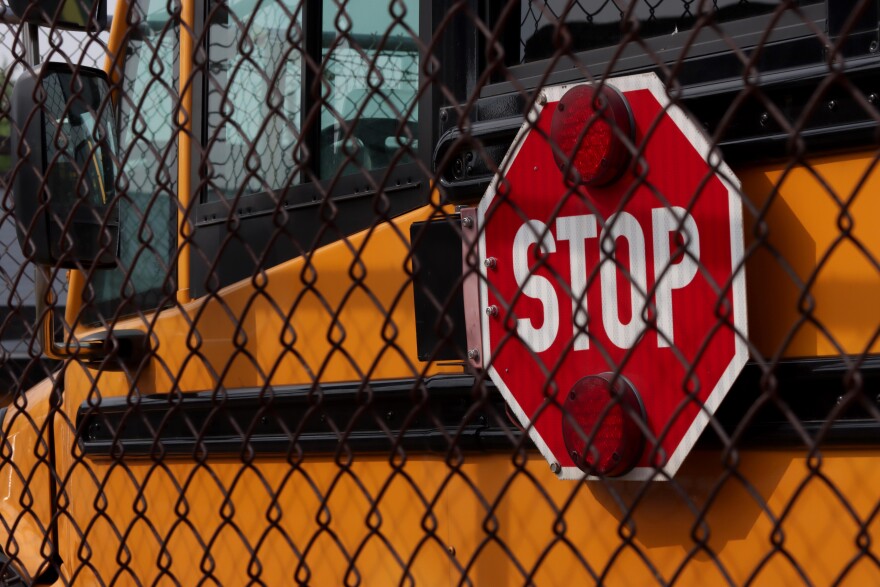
261,212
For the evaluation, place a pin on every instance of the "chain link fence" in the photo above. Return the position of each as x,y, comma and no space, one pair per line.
454,292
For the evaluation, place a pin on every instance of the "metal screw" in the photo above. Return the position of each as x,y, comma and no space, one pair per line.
458,168
473,354
490,262
872,98
765,118
873,46
444,115
832,104
542,98
555,468
492,311
467,222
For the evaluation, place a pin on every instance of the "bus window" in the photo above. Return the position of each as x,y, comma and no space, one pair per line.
148,151
254,98
371,70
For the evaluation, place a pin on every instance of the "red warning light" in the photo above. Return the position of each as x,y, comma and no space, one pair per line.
588,129
601,427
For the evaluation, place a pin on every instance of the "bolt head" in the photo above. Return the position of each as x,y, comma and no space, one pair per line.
555,468
473,354
467,222
491,262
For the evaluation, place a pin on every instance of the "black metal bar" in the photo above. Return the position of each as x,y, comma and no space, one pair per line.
435,415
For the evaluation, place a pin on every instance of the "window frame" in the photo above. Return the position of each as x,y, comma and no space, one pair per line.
708,78
407,184
746,32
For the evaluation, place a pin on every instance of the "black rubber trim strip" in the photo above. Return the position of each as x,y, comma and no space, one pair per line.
437,415
446,413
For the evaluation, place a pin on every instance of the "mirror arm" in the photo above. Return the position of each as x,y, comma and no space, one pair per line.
130,347
85,350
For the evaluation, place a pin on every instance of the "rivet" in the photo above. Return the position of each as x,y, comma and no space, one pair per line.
555,468
444,115
832,104
872,98
542,98
451,550
467,222
873,46
765,118
492,311
490,262
473,354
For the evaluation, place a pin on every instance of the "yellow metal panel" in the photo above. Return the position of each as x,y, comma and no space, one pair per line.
317,318
25,487
486,519
820,222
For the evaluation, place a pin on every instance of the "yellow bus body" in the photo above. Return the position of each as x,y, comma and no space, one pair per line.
773,516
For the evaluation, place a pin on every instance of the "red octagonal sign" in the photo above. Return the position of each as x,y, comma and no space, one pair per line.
639,279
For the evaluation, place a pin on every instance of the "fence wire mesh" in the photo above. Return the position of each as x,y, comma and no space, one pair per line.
332,292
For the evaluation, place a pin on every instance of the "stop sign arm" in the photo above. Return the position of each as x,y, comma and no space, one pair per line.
651,264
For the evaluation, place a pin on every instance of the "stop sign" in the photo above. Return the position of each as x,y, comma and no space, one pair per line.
639,279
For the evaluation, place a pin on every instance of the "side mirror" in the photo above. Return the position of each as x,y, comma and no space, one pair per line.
77,15
63,147
63,161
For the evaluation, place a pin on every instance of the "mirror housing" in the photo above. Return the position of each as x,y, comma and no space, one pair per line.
78,15
63,162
